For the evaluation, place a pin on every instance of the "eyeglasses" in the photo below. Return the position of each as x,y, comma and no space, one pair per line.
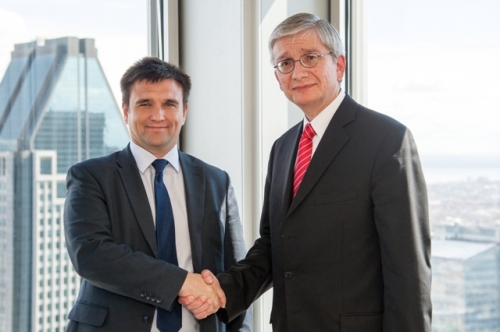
309,60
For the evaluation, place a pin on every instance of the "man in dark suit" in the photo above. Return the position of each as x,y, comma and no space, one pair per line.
345,238
111,215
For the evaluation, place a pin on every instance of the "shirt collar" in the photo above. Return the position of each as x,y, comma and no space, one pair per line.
144,158
321,121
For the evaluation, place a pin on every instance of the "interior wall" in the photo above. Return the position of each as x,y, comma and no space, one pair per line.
210,52
236,109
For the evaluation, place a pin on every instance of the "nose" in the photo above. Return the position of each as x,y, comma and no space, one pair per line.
299,71
158,113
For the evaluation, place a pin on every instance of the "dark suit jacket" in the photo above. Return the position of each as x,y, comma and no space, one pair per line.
351,252
112,243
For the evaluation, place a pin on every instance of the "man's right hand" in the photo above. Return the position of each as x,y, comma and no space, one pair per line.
202,294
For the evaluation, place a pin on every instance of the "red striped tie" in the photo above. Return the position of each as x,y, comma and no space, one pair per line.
303,156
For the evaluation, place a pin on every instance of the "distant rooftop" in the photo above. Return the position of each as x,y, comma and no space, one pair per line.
460,250
70,45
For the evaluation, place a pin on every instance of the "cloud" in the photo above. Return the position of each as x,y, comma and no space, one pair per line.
10,23
12,30
447,95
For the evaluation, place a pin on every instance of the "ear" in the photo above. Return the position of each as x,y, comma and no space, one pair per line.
341,63
125,112
276,75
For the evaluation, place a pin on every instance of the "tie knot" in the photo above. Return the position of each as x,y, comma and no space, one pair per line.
309,131
159,165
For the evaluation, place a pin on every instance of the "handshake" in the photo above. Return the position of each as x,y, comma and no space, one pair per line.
202,294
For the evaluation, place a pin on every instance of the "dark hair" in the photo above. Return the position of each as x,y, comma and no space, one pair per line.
154,70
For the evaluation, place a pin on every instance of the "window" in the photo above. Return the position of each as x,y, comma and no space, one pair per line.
433,65
45,166
65,107
61,189
2,166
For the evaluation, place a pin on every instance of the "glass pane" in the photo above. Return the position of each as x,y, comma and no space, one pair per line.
60,67
433,65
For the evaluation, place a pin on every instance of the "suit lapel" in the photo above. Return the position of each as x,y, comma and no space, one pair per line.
331,143
131,179
194,183
285,159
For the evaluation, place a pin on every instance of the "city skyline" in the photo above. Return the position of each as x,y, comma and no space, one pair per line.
58,110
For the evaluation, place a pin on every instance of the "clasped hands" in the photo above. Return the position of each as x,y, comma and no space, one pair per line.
202,294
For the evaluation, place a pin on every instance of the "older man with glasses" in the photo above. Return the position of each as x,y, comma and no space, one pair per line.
345,240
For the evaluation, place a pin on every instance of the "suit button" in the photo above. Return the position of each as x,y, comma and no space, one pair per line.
148,297
146,319
153,298
143,294
159,300
288,275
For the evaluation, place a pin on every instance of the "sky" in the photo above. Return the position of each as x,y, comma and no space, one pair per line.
431,64
434,65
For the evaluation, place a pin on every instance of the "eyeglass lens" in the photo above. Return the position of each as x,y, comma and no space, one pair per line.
308,60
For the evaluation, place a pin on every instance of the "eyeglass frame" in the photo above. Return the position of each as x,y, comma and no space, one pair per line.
300,60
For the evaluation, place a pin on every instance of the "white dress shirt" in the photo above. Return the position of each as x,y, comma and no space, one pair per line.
321,121
174,181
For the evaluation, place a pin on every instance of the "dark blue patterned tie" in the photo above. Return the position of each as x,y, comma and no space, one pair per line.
165,237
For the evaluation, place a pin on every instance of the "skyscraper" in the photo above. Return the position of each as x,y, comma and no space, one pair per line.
56,109
465,279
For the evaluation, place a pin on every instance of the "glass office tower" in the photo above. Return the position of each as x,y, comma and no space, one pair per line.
56,109
465,292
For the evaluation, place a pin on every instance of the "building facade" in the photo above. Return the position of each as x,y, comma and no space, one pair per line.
6,239
56,109
465,286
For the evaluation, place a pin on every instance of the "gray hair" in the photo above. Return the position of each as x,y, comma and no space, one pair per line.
302,22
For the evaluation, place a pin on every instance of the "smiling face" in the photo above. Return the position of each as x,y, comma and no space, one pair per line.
155,115
312,89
